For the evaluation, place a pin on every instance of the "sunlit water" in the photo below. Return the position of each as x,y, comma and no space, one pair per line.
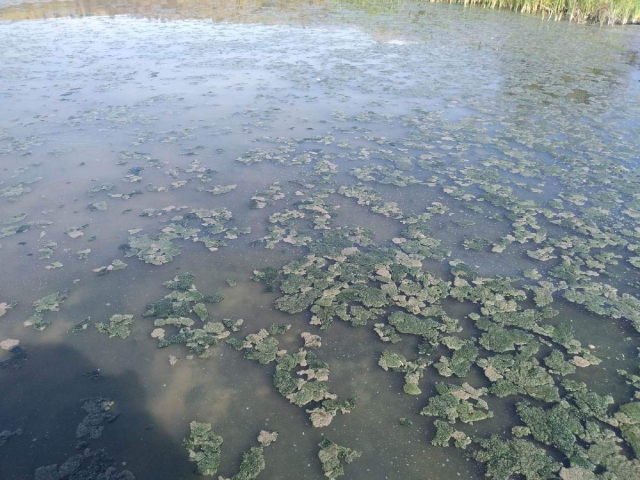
90,91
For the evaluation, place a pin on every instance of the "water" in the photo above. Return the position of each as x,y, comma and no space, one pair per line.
462,100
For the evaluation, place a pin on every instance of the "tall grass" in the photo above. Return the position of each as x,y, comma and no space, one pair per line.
609,12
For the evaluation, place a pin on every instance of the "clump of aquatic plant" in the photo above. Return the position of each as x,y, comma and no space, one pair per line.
112,267
504,458
253,461
204,448
99,412
455,402
413,370
118,326
261,347
334,456
50,303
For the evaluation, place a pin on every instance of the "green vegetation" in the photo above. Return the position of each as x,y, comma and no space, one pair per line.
204,448
333,457
118,326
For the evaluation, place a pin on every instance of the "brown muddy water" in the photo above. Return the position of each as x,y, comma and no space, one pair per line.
509,143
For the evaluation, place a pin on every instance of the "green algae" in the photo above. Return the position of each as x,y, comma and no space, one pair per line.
628,419
48,303
504,458
455,402
498,339
267,275
333,458
557,364
559,426
184,281
460,362
445,432
6,306
14,191
47,250
519,373
268,196
387,333
118,326
413,370
235,325
219,189
100,465
174,309
309,388
83,254
261,346
197,340
112,267
405,422
411,324
204,448
200,309
97,206
155,251
99,413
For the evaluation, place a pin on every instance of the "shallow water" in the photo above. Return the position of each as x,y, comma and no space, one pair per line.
461,99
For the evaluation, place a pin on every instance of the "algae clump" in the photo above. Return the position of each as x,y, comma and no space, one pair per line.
118,326
334,456
204,448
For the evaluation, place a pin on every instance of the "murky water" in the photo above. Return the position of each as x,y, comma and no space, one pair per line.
523,132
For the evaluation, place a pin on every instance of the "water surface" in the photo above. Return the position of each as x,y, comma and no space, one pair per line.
472,105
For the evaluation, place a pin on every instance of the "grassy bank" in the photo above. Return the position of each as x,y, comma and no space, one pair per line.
601,11
610,12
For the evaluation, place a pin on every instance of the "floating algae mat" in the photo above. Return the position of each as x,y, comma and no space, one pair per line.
306,240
